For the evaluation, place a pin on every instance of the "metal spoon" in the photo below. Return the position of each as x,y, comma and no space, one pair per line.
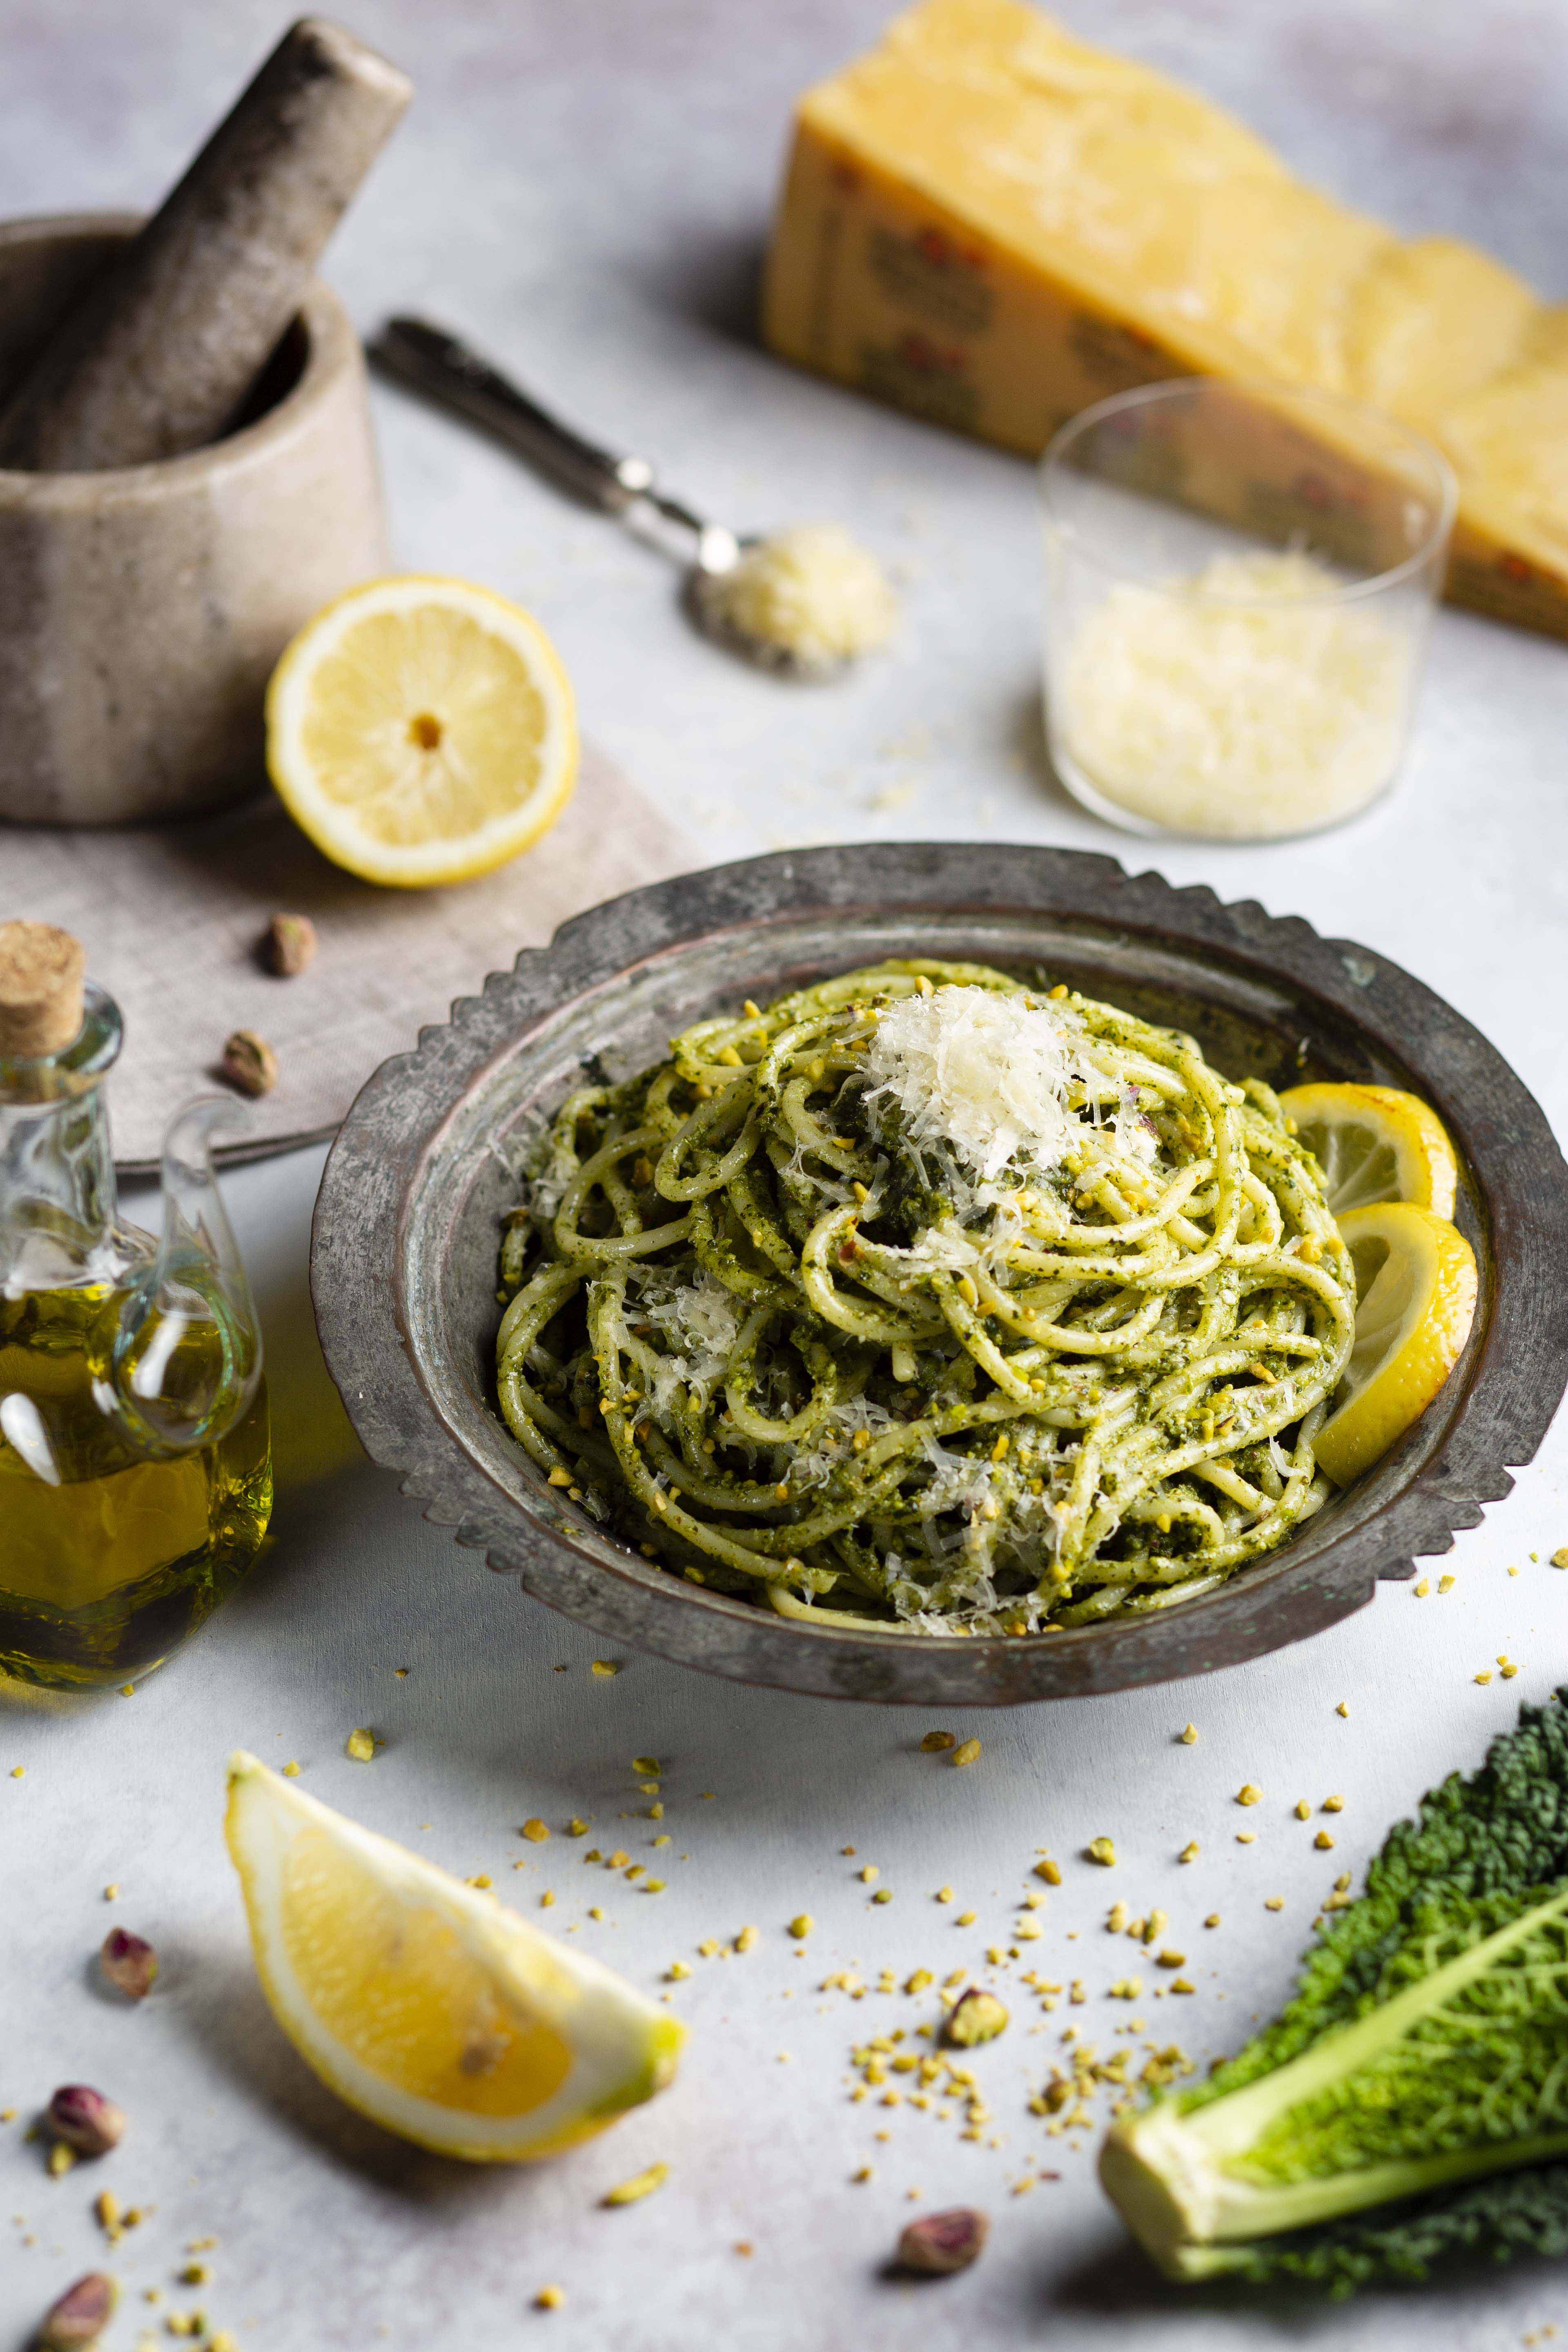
429,360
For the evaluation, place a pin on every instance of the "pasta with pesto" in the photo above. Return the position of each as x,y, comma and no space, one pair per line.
929,1299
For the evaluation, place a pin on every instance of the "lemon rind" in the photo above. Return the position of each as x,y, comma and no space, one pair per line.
1430,1342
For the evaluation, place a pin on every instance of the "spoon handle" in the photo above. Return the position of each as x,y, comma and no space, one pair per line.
446,370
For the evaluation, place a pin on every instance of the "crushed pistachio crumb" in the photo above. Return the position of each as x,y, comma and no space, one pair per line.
534,1830
360,1746
1447,1584
604,1666
291,1770
1274,1903
1248,1794
549,2298
1344,1708
640,2185
1190,1852
1188,1735
748,1939
1213,1919
1049,1871
936,1743
966,1752
1100,1849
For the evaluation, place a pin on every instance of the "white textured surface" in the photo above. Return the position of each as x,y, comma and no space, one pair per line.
583,188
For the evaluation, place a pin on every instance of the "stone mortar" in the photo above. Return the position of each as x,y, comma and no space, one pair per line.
143,608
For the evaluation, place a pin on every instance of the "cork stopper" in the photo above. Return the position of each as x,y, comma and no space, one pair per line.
41,974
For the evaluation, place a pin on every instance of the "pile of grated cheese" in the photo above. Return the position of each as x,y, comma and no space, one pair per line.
811,595
1244,702
983,1075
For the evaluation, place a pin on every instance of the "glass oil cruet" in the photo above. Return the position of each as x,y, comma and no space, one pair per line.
135,1463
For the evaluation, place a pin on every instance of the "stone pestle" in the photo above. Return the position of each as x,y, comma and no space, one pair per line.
159,355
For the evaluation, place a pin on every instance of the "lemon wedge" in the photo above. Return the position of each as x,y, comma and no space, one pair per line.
421,2001
1415,1277
422,731
1376,1143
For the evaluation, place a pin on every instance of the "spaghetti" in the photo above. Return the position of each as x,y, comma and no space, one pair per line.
927,1300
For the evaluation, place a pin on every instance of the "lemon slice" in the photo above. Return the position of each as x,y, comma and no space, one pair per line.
1374,1143
422,731
423,2003
1416,1276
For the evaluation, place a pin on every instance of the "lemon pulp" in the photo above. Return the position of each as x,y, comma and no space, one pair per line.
421,729
392,1984
1375,1144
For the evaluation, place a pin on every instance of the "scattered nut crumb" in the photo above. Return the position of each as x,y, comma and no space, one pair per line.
748,1939
549,2298
248,1062
1100,1849
802,1925
1344,1708
1189,1852
1248,1794
128,1962
1274,1903
287,945
936,1742
360,1746
1188,1735
1049,1871
536,1831
640,2185
966,1752
605,1667
940,2244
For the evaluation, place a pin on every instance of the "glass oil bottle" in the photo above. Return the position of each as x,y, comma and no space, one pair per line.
135,1465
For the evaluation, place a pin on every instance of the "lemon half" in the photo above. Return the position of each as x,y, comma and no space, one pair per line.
1376,1143
1416,1276
422,731
421,2001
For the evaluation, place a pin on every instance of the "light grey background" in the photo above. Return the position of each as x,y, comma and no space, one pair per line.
584,185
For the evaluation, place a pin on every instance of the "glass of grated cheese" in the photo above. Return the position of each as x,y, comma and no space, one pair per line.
1240,584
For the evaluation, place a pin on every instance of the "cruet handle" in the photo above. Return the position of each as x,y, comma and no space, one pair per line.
186,1357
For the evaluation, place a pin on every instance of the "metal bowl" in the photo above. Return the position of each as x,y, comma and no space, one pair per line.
408,1224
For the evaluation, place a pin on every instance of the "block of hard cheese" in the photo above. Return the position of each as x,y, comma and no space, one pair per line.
990,224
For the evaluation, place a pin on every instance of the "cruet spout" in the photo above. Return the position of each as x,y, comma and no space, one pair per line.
186,1359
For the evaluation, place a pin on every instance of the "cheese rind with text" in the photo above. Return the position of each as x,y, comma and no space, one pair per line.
989,223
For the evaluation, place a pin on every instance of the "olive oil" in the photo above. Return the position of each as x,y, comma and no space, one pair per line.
108,1559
